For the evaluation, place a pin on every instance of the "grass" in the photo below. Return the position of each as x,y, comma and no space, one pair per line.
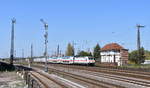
133,65
145,66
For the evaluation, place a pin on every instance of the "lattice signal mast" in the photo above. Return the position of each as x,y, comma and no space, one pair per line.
46,42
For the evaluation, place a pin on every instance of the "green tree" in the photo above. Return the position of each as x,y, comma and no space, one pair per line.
147,55
133,56
96,52
70,50
141,56
84,53
137,56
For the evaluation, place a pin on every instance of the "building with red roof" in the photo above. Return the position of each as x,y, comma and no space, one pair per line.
114,53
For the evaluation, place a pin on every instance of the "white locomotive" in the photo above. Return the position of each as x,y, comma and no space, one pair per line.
68,60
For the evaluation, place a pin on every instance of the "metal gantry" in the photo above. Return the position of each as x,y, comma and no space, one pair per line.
46,42
12,42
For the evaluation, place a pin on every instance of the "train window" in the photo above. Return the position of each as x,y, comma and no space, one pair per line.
91,58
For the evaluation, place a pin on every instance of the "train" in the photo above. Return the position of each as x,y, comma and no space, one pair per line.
68,60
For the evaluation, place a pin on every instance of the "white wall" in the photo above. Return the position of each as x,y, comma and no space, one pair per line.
108,56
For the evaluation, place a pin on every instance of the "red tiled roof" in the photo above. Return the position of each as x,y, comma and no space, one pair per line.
112,46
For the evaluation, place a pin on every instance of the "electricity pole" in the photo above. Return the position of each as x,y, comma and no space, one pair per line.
138,39
12,42
22,54
31,54
46,42
58,51
31,58
73,46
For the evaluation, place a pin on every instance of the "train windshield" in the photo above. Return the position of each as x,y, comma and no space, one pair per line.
91,58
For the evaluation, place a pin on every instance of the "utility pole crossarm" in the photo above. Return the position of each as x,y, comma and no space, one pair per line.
43,21
140,26
45,24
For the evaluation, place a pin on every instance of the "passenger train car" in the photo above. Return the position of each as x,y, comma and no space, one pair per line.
68,60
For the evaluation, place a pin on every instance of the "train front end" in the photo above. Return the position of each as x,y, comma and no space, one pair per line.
91,61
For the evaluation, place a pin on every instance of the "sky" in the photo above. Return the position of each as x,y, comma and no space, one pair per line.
82,22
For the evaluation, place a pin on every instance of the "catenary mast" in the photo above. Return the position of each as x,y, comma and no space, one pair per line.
12,42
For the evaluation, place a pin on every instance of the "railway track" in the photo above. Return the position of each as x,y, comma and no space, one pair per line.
136,74
104,78
54,81
88,81
109,78
95,83
118,80
123,78
100,68
45,81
